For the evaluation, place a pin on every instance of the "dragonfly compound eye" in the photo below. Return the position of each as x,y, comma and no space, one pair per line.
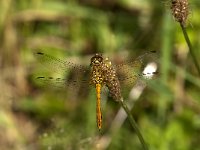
97,59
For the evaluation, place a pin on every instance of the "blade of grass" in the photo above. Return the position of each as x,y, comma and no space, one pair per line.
190,47
133,124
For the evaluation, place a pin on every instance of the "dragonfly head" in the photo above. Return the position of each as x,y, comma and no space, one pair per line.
96,60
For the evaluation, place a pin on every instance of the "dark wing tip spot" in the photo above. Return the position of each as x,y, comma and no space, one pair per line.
40,77
40,53
156,72
153,51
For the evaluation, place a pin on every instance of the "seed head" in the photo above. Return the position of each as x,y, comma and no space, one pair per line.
180,10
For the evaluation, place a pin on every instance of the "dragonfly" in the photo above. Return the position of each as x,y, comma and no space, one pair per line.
102,73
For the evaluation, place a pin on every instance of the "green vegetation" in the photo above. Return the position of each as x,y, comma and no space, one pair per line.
51,115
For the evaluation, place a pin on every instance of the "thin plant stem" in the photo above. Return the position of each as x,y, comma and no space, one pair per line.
134,124
190,47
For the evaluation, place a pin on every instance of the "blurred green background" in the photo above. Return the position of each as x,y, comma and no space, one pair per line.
38,117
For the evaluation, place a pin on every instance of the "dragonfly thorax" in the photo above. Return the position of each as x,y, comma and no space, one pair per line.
96,69
102,72
96,75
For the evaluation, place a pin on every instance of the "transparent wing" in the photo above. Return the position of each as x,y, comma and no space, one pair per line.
77,74
60,83
129,72
58,64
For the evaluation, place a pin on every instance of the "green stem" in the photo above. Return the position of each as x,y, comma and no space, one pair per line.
190,47
134,124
